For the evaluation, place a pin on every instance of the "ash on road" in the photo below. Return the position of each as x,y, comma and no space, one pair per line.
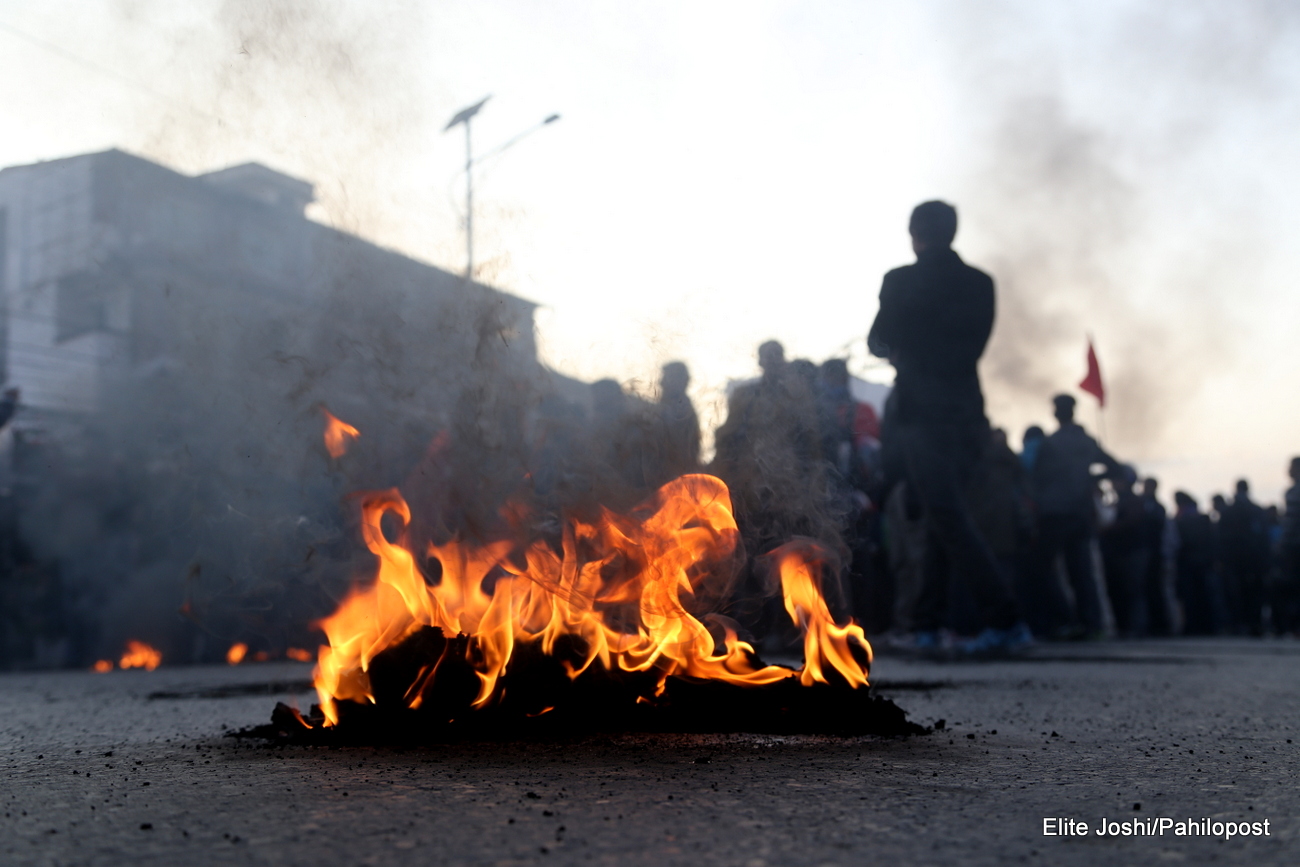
97,772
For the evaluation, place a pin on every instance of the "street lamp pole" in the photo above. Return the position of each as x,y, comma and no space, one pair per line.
464,116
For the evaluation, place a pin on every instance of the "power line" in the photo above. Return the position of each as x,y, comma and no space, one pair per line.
103,70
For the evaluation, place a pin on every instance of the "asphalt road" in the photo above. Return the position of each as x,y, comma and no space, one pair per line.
95,771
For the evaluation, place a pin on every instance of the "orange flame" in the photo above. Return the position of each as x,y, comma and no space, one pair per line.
337,434
103,666
139,655
236,653
298,654
622,584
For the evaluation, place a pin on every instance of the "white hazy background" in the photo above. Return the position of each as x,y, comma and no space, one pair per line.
726,173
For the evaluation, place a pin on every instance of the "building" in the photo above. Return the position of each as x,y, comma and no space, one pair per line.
175,339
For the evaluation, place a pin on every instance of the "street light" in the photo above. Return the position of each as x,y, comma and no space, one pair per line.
464,116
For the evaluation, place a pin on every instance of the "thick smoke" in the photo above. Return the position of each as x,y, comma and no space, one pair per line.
1068,227
1077,200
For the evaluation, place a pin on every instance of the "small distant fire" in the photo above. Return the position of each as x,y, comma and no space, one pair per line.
298,654
236,653
338,434
137,655
624,596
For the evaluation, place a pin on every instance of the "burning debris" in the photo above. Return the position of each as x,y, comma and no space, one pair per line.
338,434
137,654
614,626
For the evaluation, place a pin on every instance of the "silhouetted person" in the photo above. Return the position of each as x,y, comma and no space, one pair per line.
1286,617
675,449
768,453
1064,491
1154,539
1030,444
1194,562
1126,555
999,501
1244,552
934,321
849,441
837,414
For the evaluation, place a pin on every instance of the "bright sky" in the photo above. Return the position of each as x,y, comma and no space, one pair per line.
725,173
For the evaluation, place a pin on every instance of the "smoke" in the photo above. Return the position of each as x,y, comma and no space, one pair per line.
1067,226
1116,204
331,91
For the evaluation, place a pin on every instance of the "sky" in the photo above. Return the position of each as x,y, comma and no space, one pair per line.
728,173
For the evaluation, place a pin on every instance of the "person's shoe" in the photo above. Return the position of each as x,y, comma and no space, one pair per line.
1000,642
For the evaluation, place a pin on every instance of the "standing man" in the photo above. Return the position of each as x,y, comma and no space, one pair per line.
1287,605
1065,490
1244,549
934,321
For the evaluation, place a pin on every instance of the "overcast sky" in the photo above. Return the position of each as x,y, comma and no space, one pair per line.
726,173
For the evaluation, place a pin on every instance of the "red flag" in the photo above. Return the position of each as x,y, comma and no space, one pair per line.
1092,382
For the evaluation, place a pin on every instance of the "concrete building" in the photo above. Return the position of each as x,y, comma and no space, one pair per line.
174,339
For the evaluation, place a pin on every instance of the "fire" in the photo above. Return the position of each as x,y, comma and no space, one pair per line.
298,654
626,589
102,666
337,434
139,655
236,653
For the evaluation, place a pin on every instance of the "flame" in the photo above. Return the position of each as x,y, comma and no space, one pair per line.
298,654
103,666
139,655
337,434
236,653
623,584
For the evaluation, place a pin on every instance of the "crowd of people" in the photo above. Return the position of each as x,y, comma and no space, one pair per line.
1086,546
940,535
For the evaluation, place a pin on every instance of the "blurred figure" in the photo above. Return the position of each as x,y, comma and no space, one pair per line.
1286,611
675,450
934,321
1030,443
1064,487
849,447
615,446
1194,563
1158,592
768,453
1126,555
850,430
1244,554
999,499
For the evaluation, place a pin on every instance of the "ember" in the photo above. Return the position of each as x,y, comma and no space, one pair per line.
337,434
138,655
236,653
616,628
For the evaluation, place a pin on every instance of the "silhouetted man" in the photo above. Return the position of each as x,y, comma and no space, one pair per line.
676,447
1286,617
768,453
1126,557
1064,491
1244,549
1154,523
934,321
1194,563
